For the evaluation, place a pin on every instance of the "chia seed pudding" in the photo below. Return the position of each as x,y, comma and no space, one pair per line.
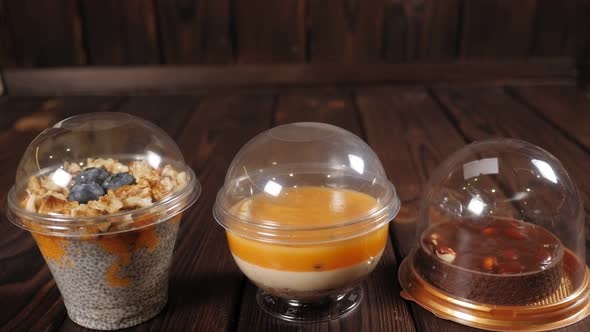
105,226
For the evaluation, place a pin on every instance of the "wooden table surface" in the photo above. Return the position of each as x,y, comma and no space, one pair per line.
412,129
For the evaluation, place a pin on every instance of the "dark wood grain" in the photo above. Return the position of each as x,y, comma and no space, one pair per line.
120,32
497,29
346,31
13,108
566,106
195,31
336,107
552,21
421,30
269,31
182,79
411,135
7,56
45,32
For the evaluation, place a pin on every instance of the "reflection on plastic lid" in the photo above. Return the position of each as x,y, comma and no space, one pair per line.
545,170
476,205
153,159
273,188
357,163
61,178
480,167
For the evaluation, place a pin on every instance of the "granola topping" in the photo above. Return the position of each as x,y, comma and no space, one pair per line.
49,195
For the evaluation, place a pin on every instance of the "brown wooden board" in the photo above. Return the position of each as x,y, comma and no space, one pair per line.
412,136
195,31
120,32
45,32
551,24
30,298
175,79
13,108
269,31
337,107
421,30
7,56
566,106
497,29
346,31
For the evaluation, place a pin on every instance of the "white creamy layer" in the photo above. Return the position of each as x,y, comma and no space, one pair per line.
307,281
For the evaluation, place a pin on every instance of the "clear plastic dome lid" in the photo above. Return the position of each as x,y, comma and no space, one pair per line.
100,168
506,179
501,229
305,168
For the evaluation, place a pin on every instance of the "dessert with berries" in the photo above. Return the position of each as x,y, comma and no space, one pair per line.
112,274
102,194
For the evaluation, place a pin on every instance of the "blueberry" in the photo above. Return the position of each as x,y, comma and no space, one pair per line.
118,180
84,192
92,175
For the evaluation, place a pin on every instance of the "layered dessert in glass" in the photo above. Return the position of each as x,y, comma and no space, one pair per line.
105,216
306,208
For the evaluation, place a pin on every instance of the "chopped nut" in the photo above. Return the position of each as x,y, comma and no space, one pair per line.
109,164
446,254
489,231
489,263
44,196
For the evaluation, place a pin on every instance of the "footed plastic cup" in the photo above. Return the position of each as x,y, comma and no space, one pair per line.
110,254
306,208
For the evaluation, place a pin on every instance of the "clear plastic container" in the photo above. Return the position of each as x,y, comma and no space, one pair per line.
102,194
500,242
306,208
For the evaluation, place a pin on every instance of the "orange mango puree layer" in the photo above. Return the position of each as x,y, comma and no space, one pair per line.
313,207
120,245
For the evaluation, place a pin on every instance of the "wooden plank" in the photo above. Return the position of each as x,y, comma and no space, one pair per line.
13,108
412,136
551,24
346,31
120,32
497,29
181,79
195,31
269,31
421,30
578,39
382,309
49,32
25,282
7,56
567,106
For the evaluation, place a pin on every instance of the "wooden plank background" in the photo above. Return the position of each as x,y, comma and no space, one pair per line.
49,33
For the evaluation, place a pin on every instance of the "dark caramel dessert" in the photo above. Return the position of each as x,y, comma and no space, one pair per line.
491,260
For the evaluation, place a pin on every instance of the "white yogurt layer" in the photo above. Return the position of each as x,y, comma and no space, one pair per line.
307,281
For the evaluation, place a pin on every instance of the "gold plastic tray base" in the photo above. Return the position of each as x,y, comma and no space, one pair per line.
569,304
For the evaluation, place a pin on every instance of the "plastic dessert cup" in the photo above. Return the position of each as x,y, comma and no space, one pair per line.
306,208
500,241
110,255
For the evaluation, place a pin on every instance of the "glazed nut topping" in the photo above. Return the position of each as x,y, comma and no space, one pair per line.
127,187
